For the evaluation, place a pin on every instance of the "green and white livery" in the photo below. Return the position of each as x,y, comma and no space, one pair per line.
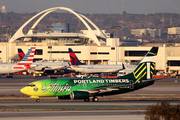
92,88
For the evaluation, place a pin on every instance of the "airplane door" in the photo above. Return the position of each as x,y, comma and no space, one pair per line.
44,84
10,69
132,84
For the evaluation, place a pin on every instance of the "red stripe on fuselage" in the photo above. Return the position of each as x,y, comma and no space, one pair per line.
24,63
25,67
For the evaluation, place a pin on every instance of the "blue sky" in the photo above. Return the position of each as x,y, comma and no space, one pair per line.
96,6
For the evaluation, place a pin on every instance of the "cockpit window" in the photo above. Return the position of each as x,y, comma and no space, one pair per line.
31,85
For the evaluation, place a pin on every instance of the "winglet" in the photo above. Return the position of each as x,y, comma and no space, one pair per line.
123,67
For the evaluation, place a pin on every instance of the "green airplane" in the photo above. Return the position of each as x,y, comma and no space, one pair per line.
93,87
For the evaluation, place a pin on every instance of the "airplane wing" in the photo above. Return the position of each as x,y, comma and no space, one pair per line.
154,79
54,67
123,67
49,66
105,88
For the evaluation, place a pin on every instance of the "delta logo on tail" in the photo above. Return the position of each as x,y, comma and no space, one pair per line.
21,54
73,58
94,87
27,60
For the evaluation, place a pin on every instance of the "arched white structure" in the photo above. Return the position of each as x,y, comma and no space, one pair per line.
90,33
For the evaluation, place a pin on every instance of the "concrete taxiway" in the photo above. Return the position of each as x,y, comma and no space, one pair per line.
56,104
10,86
75,115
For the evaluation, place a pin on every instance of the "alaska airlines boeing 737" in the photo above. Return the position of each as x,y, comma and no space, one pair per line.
92,69
24,64
85,88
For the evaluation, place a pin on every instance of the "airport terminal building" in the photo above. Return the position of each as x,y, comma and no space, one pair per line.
168,58
91,46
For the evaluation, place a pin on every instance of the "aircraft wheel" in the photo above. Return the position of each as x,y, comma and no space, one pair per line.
95,99
86,100
37,100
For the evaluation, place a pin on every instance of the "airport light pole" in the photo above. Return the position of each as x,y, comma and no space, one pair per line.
167,32
115,36
7,28
50,46
7,46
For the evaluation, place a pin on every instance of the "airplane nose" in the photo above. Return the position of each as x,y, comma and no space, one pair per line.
24,90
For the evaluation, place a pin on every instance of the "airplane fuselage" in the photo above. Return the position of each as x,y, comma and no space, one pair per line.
9,68
98,68
48,65
64,87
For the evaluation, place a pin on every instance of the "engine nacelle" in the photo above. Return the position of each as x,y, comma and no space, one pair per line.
49,71
63,97
79,95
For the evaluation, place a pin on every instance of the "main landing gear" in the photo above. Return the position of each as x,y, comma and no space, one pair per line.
94,99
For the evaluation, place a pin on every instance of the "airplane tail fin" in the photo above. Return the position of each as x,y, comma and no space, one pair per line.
27,60
21,54
145,69
123,67
73,58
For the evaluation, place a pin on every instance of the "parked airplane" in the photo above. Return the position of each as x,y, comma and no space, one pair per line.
85,88
93,69
24,64
47,67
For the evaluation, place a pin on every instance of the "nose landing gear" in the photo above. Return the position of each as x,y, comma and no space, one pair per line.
37,100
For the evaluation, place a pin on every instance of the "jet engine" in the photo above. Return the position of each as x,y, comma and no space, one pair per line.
79,95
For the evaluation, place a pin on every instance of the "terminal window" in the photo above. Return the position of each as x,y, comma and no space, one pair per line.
107,53
173,63
112,48
100,53
135,53
93,53
63,51
38,52
37,59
